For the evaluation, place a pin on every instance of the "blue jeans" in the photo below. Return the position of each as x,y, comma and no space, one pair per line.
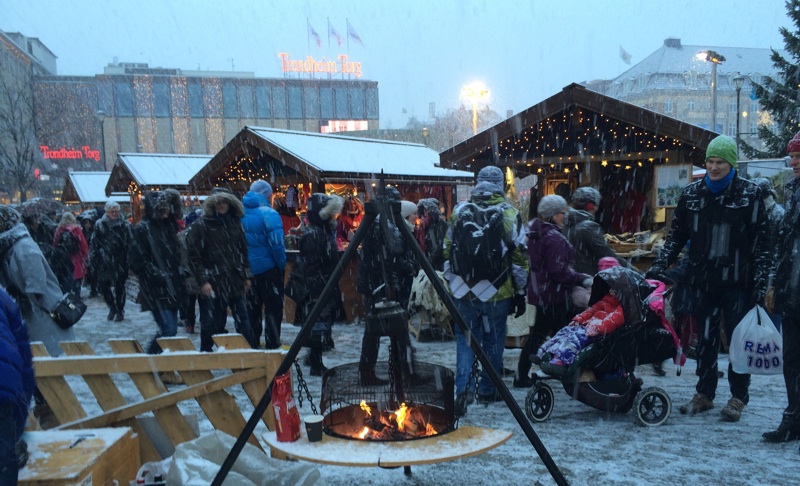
487,325
167,320
8,442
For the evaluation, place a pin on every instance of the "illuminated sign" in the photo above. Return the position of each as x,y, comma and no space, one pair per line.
334,126
311,65
85,152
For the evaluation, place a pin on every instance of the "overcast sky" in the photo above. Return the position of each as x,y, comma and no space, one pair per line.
419,51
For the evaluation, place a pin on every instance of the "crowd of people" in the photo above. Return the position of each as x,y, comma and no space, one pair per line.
730,246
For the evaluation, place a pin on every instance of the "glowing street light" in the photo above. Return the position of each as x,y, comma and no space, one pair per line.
475,93
714,58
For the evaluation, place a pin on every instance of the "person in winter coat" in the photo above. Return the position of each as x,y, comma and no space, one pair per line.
314,267
69,237
431,231
87,221
16,388
347,224
42,229
484,304
29,280
217,253
552,279
784,296
384,248
108,256
723,216
775,214
155,257
584,233
267,256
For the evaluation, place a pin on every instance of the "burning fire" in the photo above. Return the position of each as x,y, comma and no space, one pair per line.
405,421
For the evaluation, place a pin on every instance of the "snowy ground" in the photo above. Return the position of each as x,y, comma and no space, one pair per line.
590,447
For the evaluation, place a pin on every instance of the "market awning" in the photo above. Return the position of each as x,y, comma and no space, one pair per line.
291,157
136,172
88,188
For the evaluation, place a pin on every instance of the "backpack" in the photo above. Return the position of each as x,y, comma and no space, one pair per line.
477,242
68,242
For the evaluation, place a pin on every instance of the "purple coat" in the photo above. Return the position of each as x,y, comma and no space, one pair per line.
551,258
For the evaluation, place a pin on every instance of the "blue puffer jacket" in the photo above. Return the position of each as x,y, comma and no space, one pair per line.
264,231
16,367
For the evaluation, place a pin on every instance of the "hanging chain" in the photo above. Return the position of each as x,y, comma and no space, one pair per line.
302,386
473,377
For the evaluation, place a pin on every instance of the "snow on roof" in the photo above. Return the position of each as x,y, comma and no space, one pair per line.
163,169
336,153
90,187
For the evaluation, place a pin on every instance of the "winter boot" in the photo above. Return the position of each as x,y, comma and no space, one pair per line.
733,410
111,314
788,430
698,403
315,360
119,317
523,381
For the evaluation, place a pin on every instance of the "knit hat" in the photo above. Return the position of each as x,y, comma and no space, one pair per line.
491,174
583,197
724,147
262,187
407,208
9,217
794,144
606,263
550,205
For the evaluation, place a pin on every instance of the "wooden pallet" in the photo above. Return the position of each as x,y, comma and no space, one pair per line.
250,369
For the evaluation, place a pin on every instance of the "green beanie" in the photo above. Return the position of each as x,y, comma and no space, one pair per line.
724,147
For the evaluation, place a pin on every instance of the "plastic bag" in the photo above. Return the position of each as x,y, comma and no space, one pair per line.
756,345
287,418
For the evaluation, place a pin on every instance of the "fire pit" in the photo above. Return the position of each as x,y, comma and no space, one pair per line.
407,408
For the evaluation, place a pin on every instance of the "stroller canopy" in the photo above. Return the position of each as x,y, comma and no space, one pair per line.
630,287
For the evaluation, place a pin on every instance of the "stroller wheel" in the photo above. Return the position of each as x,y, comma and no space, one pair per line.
539,402
652,406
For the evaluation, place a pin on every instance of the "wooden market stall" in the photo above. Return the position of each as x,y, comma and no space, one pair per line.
134,174
638,159
305,162
87,190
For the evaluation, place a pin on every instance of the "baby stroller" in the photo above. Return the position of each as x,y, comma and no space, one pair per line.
602,373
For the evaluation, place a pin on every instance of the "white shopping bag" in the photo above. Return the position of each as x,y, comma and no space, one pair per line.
756,346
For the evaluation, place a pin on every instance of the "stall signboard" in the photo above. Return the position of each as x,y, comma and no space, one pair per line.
670,182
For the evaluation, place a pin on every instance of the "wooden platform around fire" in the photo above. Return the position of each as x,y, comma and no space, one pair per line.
463,442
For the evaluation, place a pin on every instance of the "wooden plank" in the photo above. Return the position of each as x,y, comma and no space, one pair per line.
57,392
220,407
169,418
108,397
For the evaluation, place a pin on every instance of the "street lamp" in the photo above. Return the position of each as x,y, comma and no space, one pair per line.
474,93
425,135
738,82
101,117
714,58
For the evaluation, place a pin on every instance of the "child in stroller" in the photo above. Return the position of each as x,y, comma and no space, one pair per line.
594,357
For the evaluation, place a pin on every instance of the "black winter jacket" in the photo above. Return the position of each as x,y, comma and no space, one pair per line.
386,244
729,235
155,253
586,237
108,251
787,254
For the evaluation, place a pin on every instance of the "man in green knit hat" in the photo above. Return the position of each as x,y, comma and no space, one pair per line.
723,217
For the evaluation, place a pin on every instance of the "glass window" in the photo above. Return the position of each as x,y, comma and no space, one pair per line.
262,101
690,105
357,103
372,104
230,106
295,102
161,99
246,107
278,102
195,100
668,106
325,103
311,102
124,97
342,104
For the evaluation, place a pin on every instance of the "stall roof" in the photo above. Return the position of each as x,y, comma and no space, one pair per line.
578,126
296,156
154,170
88,188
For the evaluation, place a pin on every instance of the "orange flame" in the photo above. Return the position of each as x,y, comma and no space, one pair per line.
402,415
429,430
366,408
363,432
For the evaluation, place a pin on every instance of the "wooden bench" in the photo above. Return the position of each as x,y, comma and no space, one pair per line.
248,368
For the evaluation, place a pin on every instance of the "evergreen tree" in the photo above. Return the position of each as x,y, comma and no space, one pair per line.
780,96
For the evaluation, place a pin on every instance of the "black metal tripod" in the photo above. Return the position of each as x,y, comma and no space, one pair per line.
372,210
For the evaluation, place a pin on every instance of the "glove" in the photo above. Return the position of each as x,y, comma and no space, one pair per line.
769,299
517,305
655,273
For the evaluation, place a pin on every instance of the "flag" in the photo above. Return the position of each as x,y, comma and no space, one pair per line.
333,32
351,32
623,54
313,33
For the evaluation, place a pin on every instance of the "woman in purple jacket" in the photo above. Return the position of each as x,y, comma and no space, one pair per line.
551,279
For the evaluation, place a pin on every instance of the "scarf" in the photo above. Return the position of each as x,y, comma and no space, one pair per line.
718,186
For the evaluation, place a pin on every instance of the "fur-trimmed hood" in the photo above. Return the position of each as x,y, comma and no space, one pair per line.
155,200
323,207
236,209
